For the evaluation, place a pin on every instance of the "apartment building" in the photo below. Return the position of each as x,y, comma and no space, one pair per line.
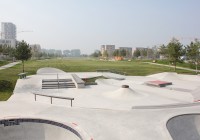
8,30
109,49
8,34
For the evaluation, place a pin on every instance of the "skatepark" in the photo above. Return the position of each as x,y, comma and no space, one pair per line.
117,107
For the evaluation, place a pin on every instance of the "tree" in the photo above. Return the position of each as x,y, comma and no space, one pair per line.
116,53
193,52
105,54
175,51
23,52
1,49
163,51
96,53
137,53
143,52
122,53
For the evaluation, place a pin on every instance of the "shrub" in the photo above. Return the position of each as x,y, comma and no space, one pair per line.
5,85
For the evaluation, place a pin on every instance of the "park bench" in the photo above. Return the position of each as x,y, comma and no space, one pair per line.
22,75
78,81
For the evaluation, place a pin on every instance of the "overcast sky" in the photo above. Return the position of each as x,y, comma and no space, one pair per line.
88,24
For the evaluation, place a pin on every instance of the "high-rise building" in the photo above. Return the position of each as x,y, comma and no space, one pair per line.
8,30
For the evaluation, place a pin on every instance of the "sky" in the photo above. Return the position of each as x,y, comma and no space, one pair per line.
88,24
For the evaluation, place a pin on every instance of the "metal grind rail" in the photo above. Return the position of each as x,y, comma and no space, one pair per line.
51,97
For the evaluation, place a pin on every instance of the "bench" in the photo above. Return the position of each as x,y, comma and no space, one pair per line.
78,81
22,75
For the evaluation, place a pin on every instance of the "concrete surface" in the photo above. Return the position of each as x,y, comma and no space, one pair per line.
35,131
107,111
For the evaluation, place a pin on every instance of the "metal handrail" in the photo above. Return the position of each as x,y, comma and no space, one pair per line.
51,97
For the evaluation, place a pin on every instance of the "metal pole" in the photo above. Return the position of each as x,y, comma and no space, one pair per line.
58,80
71,103
35,97
51,100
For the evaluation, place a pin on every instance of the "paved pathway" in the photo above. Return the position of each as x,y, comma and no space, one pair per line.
173,66
9,65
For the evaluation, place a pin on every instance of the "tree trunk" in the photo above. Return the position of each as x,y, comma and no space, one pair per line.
174,65
196,67
23,65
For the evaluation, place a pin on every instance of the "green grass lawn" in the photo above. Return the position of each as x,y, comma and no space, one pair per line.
183,64
3,63
84,65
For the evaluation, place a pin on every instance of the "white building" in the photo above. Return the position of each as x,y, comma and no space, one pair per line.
8,42
8,34
8,30
109,48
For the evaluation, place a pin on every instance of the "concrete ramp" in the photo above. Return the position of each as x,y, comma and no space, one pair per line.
36,129
124,93
49,70
166,76
185,127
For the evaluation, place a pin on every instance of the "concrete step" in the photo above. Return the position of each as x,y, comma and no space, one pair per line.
52,84
56,87
55,80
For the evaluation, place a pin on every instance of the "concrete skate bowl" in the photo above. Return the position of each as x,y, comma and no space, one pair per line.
184,127
36,129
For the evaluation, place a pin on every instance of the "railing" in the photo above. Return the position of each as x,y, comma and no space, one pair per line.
51,97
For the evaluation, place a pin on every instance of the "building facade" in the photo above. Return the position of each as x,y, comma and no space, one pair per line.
8,34
75,53
128,50
109,49
8,42
8,30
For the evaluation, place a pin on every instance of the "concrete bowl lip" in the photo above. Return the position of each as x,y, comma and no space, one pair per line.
167,106
175,116
72,127
178,115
